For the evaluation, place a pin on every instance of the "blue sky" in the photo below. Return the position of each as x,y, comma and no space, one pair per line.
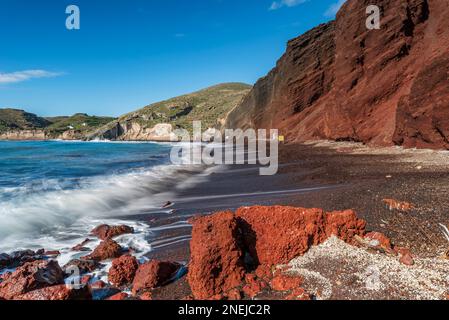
129,53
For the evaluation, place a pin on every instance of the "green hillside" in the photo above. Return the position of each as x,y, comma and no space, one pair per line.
14,119
208,105
79,122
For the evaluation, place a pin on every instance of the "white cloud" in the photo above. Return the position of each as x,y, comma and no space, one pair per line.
285,3
19,76
333,9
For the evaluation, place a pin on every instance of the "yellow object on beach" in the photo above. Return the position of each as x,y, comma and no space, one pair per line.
281,139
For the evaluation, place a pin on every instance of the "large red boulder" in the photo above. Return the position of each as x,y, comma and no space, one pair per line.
107,249
105,231
59,292
217,258
31,276
224,245
154,274
123,270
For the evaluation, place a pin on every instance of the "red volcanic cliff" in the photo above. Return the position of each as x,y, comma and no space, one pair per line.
341,81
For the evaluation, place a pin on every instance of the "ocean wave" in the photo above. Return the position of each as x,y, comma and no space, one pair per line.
56,212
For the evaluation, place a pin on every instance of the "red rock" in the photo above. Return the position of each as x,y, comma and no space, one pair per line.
405,256
5,276
250,278
341,81
31,276
220,241
154,274
301,229
253,286
146,296
83,266
19,258
298,294
379,240
216,263
398,205
407,260
107,249
234,294
53,253
264,271
98,285
123,270
85,279
286,282
60,292
105,231
118,296
345,225
81,246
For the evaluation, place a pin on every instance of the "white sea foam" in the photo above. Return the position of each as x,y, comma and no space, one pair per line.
55,219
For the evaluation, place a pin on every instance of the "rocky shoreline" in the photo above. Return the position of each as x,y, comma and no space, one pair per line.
234,256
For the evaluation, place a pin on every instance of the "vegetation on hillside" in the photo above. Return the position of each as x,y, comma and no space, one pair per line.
208,105
80,122
14,119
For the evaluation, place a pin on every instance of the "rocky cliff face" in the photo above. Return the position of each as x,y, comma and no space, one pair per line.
16,135
341,81
40,134
134,131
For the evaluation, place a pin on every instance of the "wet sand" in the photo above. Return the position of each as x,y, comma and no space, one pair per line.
332,176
